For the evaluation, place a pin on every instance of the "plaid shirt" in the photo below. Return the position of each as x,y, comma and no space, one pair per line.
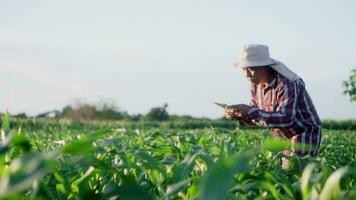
286,107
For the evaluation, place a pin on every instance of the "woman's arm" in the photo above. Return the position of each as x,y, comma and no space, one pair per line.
287,99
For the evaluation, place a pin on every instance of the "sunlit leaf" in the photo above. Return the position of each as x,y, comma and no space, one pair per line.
24,171
6,122
74,185
218,180
331,189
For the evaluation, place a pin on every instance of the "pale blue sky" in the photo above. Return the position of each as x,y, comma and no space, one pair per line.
145,53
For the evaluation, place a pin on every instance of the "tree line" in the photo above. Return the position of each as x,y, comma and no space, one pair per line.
104,110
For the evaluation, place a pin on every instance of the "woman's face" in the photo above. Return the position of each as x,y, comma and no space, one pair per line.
257,75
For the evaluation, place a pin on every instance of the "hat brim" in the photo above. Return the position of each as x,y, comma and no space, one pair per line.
254,63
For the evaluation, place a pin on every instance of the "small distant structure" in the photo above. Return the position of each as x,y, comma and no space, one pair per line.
53,114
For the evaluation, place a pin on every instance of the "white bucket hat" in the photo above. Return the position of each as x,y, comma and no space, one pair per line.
257,55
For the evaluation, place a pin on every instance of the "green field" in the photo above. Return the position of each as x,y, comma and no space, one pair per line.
65,160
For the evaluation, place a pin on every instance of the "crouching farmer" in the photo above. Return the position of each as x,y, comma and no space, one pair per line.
279,101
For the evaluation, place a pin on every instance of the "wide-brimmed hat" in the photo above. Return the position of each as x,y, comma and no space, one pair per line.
254,55
257,55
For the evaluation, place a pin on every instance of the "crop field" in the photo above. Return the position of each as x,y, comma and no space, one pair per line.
65,160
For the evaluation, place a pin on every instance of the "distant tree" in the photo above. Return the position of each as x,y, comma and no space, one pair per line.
135,117
79,112
104,110
86,112
350,86
111,114
20,116
67,112
158,113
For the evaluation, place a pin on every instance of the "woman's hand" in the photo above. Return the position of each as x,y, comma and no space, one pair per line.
238,112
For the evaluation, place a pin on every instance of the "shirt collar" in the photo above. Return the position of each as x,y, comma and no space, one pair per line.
271,83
